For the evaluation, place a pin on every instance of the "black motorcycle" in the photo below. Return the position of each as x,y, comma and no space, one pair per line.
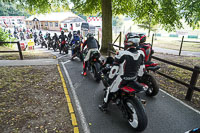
76,48
42,42
126,99
49,43
94,64
65,47
55,45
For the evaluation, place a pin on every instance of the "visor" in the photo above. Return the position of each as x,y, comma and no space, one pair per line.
134,40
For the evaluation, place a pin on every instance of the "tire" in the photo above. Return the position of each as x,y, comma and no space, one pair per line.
139,118
66,50
95,68
81,57
153,89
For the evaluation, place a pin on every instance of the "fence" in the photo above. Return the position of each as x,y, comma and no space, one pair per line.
182,42
19,49
196,71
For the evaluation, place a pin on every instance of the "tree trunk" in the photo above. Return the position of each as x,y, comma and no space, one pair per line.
106,6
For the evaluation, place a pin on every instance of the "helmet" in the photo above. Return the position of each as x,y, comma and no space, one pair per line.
133,40
75,33
142,38
90,35
62,32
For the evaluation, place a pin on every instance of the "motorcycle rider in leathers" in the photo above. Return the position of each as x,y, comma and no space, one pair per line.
125,69
92,45
63,39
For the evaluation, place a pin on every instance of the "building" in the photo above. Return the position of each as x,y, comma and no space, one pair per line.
11,21
51,21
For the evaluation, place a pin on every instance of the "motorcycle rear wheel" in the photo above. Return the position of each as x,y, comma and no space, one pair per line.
152,84
95,74
138,119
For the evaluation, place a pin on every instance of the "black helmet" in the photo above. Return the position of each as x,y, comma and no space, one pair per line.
89,35
142,38
62,32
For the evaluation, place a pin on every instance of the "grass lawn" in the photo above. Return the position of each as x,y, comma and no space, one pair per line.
175,43
30,54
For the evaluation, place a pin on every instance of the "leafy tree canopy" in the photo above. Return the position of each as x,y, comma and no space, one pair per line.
167,13
9,9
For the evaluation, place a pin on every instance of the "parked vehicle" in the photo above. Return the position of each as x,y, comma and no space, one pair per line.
126,99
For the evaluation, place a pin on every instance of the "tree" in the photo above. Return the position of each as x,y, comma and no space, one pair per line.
163,12
9,9
166,13
190,10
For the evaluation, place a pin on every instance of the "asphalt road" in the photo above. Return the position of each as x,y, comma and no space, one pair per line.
165,115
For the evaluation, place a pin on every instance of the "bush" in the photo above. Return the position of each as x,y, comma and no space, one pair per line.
3,36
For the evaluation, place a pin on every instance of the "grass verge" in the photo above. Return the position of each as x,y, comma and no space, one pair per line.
31,54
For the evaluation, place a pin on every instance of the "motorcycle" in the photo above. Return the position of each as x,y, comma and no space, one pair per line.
56,45
144,74
65,47
49,43
126,99
94,64
42,42
76,50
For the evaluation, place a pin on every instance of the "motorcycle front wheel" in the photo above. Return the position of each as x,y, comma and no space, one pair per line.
137,116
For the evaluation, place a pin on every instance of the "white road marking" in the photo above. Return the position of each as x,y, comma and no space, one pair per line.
77,103
61,56
66,62
198,112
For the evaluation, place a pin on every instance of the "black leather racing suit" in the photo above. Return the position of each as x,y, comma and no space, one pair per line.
63,39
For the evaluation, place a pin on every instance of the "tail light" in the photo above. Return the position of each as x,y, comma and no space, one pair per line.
153,64
94,59
127,89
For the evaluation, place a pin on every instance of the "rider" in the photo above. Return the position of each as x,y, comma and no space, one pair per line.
74,41
92,45
125,68
35,37
70,36
63,39
56,39
21,36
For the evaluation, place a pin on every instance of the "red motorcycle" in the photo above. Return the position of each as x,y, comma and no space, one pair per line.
144,74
